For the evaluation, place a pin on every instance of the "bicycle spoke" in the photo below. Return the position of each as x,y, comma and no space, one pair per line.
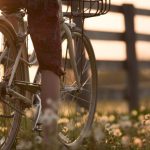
78,101
85,68
85,82
79,98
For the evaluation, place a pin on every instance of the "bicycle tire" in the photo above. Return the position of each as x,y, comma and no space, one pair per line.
63,135
14,116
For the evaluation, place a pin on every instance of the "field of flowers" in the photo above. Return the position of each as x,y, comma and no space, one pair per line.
121,131
112,130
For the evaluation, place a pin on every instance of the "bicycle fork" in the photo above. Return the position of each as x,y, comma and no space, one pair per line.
71,53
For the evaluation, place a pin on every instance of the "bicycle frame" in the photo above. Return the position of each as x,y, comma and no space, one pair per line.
23,35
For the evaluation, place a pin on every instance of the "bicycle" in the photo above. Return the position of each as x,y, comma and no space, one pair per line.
78,85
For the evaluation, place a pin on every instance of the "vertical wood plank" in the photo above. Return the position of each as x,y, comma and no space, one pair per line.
132,65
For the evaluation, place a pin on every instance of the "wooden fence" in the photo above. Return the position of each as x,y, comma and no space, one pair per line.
132,93
131,65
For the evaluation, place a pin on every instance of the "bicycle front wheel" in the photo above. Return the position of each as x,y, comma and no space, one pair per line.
78,101
10,108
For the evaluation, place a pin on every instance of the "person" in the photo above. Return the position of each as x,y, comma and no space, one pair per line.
44,28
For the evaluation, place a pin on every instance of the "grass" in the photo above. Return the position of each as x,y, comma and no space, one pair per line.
114,128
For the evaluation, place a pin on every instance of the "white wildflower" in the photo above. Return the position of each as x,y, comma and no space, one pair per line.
107,127
78,124
134,113
125,141
141,118
125,117
147,117
103,119
29,112
137,142
115,126
71,125
147,122
98,134
48,117
117,132
24,145
38,139
65,130
111,118
142,108
125,124
63,120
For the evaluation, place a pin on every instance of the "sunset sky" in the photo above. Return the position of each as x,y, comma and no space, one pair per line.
114,22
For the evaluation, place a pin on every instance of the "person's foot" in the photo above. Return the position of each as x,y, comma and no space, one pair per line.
49,128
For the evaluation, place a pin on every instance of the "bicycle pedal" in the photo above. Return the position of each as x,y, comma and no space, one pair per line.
36,103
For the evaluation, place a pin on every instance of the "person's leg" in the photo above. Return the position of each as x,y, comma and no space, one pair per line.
46,40
50,92
45,34
50,87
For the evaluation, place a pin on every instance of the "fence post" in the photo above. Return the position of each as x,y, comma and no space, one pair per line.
132,65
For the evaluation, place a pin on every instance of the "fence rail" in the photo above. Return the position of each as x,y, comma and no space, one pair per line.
132,92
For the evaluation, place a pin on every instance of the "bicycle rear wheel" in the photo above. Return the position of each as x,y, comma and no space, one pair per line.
78,104
10,107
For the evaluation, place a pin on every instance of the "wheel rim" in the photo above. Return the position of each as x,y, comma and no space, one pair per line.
8,116
77,108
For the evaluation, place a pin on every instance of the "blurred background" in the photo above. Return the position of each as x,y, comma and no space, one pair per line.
121,41
114,22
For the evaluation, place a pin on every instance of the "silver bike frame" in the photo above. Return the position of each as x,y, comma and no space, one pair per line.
65,29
